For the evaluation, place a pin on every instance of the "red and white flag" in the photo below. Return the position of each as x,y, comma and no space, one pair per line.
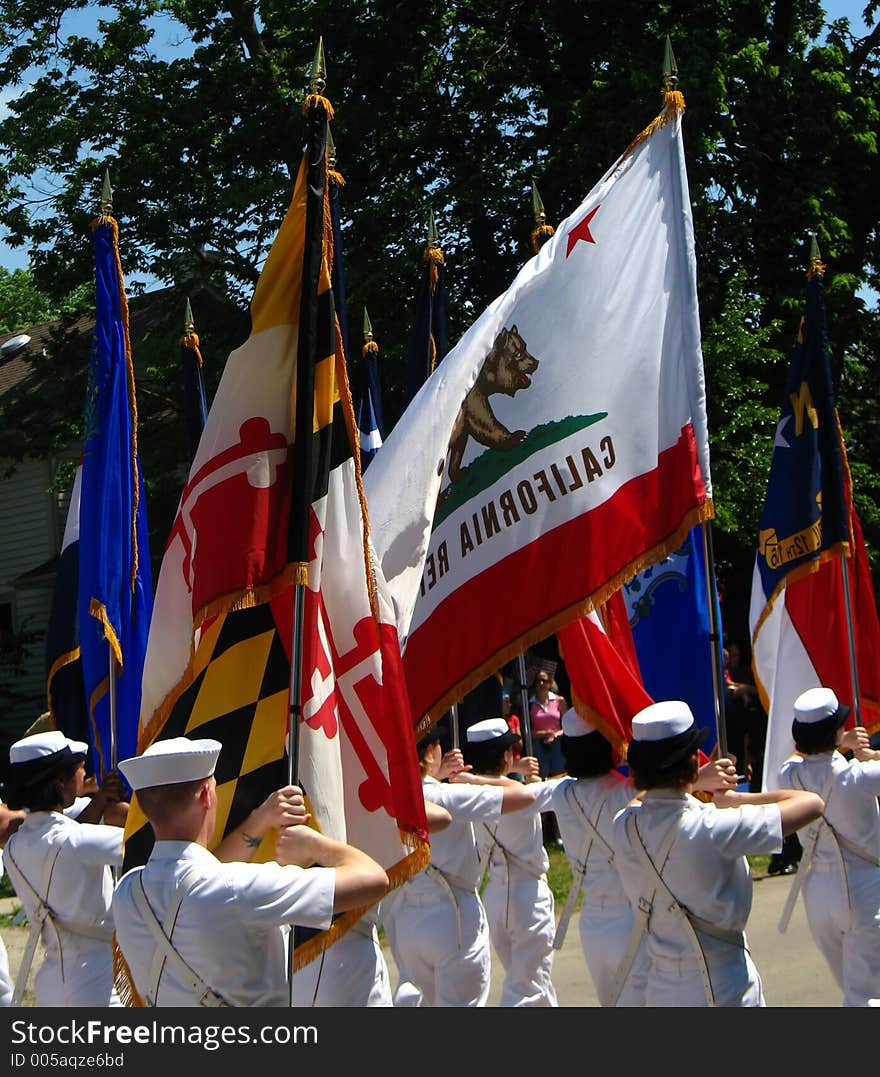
561,446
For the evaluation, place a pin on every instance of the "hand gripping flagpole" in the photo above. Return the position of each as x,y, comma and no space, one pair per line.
816,266
316,108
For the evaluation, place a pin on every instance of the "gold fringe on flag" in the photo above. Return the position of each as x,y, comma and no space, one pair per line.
673,103
696,515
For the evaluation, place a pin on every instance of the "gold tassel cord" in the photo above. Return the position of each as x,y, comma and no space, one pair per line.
540,235
434,257
370,348
191,341
673,104
317,100
336,178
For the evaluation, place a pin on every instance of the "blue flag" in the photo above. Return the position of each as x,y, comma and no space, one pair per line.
427,344
195,406
115,588
368,405
668,610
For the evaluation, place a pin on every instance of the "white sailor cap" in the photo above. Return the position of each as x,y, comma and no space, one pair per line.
575,726
494,731
819,705
662,720
171,761
663,734
42,745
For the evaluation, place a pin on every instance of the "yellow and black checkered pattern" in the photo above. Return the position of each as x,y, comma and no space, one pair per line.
239,697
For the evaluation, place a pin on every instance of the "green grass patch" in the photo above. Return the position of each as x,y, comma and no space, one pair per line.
6,887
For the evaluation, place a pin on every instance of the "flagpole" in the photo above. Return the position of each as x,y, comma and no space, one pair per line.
815,261
525,722
715,641
305,404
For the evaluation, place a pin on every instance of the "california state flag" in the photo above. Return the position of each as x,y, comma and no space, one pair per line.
273,499
561,446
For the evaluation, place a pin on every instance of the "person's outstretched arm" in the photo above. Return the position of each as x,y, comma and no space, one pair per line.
360,880
796,808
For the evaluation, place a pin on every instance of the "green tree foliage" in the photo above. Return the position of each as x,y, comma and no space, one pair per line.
455,105
22,304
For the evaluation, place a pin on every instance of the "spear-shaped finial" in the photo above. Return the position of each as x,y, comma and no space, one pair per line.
537,205
368,328
815,255
670,67
542,231
106,195
433,238
318,73
189,326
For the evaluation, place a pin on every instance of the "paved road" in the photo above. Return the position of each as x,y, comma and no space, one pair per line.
793,972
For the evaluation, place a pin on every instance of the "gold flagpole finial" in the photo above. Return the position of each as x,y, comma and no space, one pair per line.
318,73
433,238
368,328
538,205
670,67
189,326
815,255
106,195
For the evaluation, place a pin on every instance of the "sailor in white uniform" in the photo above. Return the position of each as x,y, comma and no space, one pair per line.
440,927
9,823
196,931
585,804
683,864
840,866
61,871
517,897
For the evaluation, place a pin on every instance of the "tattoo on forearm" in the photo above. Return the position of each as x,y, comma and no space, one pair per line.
250,840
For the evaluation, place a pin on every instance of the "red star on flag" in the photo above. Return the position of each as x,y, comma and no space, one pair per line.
581,231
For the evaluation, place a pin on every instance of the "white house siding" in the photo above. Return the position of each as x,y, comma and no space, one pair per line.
31,526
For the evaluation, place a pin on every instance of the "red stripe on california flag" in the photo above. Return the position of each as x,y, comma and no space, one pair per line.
550,574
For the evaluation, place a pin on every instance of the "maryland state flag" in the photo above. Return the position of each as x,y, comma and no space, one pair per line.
273,497
809,535
115,594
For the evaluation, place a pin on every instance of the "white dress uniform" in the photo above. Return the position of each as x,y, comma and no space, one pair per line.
77,969
708,874
231,928
353,972
519,902
440,924
6,984
842,886
606,918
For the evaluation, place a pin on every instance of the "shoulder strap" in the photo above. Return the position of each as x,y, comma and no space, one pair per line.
807,855
579,871
42,913
165,951
642,913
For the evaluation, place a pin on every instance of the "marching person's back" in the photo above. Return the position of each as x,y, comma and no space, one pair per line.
517,897
841,872
195,929
683,864
61,871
